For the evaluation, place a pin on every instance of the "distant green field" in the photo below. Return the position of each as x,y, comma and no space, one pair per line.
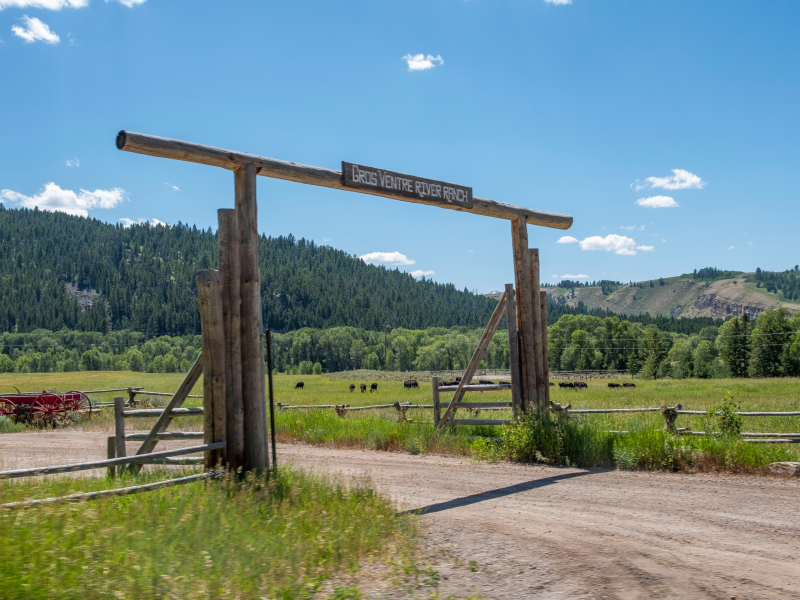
381,429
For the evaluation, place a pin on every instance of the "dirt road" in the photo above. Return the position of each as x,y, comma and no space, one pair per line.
545,532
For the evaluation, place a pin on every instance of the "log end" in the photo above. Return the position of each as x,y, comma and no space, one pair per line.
122,139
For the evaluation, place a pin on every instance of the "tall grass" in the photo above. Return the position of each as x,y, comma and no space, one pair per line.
280,538
574,441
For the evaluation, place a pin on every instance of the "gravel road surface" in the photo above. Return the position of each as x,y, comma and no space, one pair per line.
547,532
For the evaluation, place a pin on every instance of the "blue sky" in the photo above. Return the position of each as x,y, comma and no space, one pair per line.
669,130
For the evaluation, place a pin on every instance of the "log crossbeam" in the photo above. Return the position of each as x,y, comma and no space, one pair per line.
152,145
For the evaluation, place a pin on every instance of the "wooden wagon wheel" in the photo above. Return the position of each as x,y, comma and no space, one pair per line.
8,409
79,406
48,410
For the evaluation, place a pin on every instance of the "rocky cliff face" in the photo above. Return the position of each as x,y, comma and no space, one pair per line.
724,309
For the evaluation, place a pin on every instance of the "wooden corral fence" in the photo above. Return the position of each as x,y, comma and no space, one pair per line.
671,413
235,310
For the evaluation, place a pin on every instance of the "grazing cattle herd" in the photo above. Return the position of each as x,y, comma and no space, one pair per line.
411,384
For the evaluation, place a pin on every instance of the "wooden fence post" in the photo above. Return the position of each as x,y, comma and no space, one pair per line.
111,452
119,428
513,351
545,344
538,335
256,452
522,274
209,294
230,276
437,416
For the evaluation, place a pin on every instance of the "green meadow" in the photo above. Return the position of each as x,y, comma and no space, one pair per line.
383,429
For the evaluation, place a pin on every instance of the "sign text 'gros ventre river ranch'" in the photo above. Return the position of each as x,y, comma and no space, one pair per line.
409,186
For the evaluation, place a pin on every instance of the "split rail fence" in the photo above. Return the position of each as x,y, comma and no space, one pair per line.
671,413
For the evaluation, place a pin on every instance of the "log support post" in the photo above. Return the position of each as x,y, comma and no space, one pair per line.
525,313
539,334
230,277
256,452
209,293
513,351
545,344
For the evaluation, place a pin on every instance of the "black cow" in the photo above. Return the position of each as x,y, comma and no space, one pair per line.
352,387
363,387
485,382
552,384
448,383
614,385
373,388
581,384
410,383
299,384
628,385
566,384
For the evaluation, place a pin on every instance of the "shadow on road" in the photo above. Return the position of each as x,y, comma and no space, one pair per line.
492,494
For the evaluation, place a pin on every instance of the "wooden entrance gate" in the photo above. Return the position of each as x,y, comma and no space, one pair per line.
234,386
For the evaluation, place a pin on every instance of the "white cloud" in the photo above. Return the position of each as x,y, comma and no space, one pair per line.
35,30
566,239
58,4
646,248
386,258
679,180
420,273
420,62
632,227
126,222
175,188
558,2
74,163
568,276
45,4
618,244
732,247
53,198
657,202
326,239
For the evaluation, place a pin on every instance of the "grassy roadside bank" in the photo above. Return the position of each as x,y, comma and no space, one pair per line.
283,538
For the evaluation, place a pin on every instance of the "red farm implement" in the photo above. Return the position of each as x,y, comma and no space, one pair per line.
46,408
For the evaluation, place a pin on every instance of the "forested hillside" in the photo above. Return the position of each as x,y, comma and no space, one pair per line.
65,271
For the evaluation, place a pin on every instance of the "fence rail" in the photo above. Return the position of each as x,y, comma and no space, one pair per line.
126,491
113,462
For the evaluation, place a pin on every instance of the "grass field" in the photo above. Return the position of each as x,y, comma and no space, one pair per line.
381,429
288,537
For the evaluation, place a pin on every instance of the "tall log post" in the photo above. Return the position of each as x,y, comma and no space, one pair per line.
256,452
545,344
209,294
437,415
522,274
230,275
513,351
541,370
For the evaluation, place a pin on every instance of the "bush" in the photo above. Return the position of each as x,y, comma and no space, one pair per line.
560,440
317,369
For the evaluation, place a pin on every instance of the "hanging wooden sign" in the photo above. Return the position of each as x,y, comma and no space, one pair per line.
409,186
